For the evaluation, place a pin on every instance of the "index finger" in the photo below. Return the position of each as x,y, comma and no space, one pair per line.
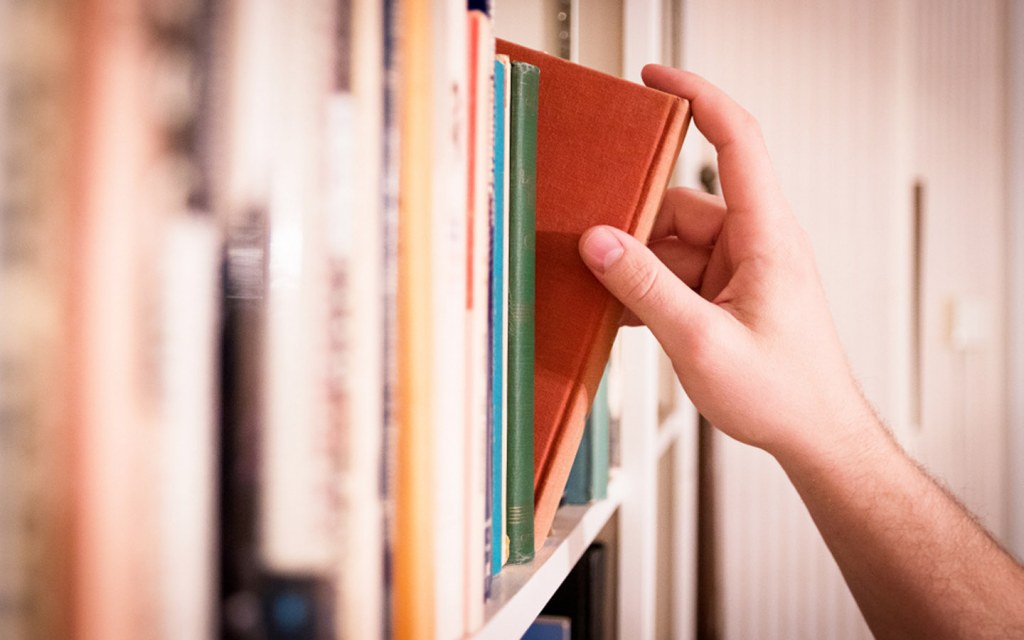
745,169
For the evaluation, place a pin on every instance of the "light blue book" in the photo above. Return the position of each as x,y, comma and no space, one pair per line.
498,333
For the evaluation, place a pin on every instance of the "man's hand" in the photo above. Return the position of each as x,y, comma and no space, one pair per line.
730,289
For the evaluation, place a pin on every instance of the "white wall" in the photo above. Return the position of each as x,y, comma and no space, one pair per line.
856,100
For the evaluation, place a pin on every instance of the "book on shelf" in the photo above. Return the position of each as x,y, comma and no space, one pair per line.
549,628
354,202
414,603
37,104
525,80
316,315
585,595
480,118
499,314
606,149
286,293
449,167
588,479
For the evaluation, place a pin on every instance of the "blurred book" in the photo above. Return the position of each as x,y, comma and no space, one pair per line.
281,498
588,478
584,596
37,107
356,308
549,628
480,119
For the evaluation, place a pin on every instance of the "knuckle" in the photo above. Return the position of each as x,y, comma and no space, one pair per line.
640,284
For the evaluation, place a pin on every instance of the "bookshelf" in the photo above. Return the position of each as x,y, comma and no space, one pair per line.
519,592
655,487
200,315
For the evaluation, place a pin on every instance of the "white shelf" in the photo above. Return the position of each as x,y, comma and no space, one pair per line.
519,592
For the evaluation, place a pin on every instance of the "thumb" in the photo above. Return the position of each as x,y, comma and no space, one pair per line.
642,282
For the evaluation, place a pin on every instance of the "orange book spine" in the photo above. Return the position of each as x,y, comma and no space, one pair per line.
413,581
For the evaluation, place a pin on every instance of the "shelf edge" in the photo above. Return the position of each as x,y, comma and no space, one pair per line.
519,592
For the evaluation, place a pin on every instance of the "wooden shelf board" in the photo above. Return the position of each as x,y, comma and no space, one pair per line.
519,592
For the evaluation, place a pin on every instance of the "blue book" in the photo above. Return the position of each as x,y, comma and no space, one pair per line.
549,628
498,334
577,489
588,478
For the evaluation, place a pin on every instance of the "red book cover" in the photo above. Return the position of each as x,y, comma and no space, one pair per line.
605,151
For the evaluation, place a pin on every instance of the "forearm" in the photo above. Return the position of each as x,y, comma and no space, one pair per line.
914,559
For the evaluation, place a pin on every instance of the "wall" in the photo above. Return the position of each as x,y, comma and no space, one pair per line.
857,101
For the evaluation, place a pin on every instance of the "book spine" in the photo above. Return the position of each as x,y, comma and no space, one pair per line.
36,112
577,489
188,314
358,363
450,173
186,441
525,85
128,184
497,319
507,136
413,607
480,68
390,183
298,467
597,425
280,463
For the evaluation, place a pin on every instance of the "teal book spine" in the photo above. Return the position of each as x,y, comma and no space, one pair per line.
597,425
497,322
588,479
577,489
521,300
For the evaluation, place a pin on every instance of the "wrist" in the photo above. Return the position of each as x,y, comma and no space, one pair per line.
842,433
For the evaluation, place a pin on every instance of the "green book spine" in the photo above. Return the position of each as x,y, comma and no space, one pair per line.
597,425
525,86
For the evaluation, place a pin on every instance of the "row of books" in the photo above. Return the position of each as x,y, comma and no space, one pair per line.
267,367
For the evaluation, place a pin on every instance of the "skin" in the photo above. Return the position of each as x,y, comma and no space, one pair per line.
730,289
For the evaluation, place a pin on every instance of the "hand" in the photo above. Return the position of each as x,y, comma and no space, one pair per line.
731,291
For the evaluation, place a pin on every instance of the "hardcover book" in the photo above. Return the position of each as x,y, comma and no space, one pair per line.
606,148
522,198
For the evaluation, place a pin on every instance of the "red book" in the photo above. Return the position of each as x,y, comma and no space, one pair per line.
605,150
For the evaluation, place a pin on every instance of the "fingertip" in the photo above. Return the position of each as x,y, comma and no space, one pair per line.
600,248
684,84
650,70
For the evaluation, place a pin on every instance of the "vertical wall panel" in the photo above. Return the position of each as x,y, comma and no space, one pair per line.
959,154
855,99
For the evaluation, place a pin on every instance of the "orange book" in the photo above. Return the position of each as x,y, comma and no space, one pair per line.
413,581
605,150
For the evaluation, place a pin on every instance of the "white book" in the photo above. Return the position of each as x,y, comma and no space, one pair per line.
299,467
356,238
477,367
450,173
185,447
